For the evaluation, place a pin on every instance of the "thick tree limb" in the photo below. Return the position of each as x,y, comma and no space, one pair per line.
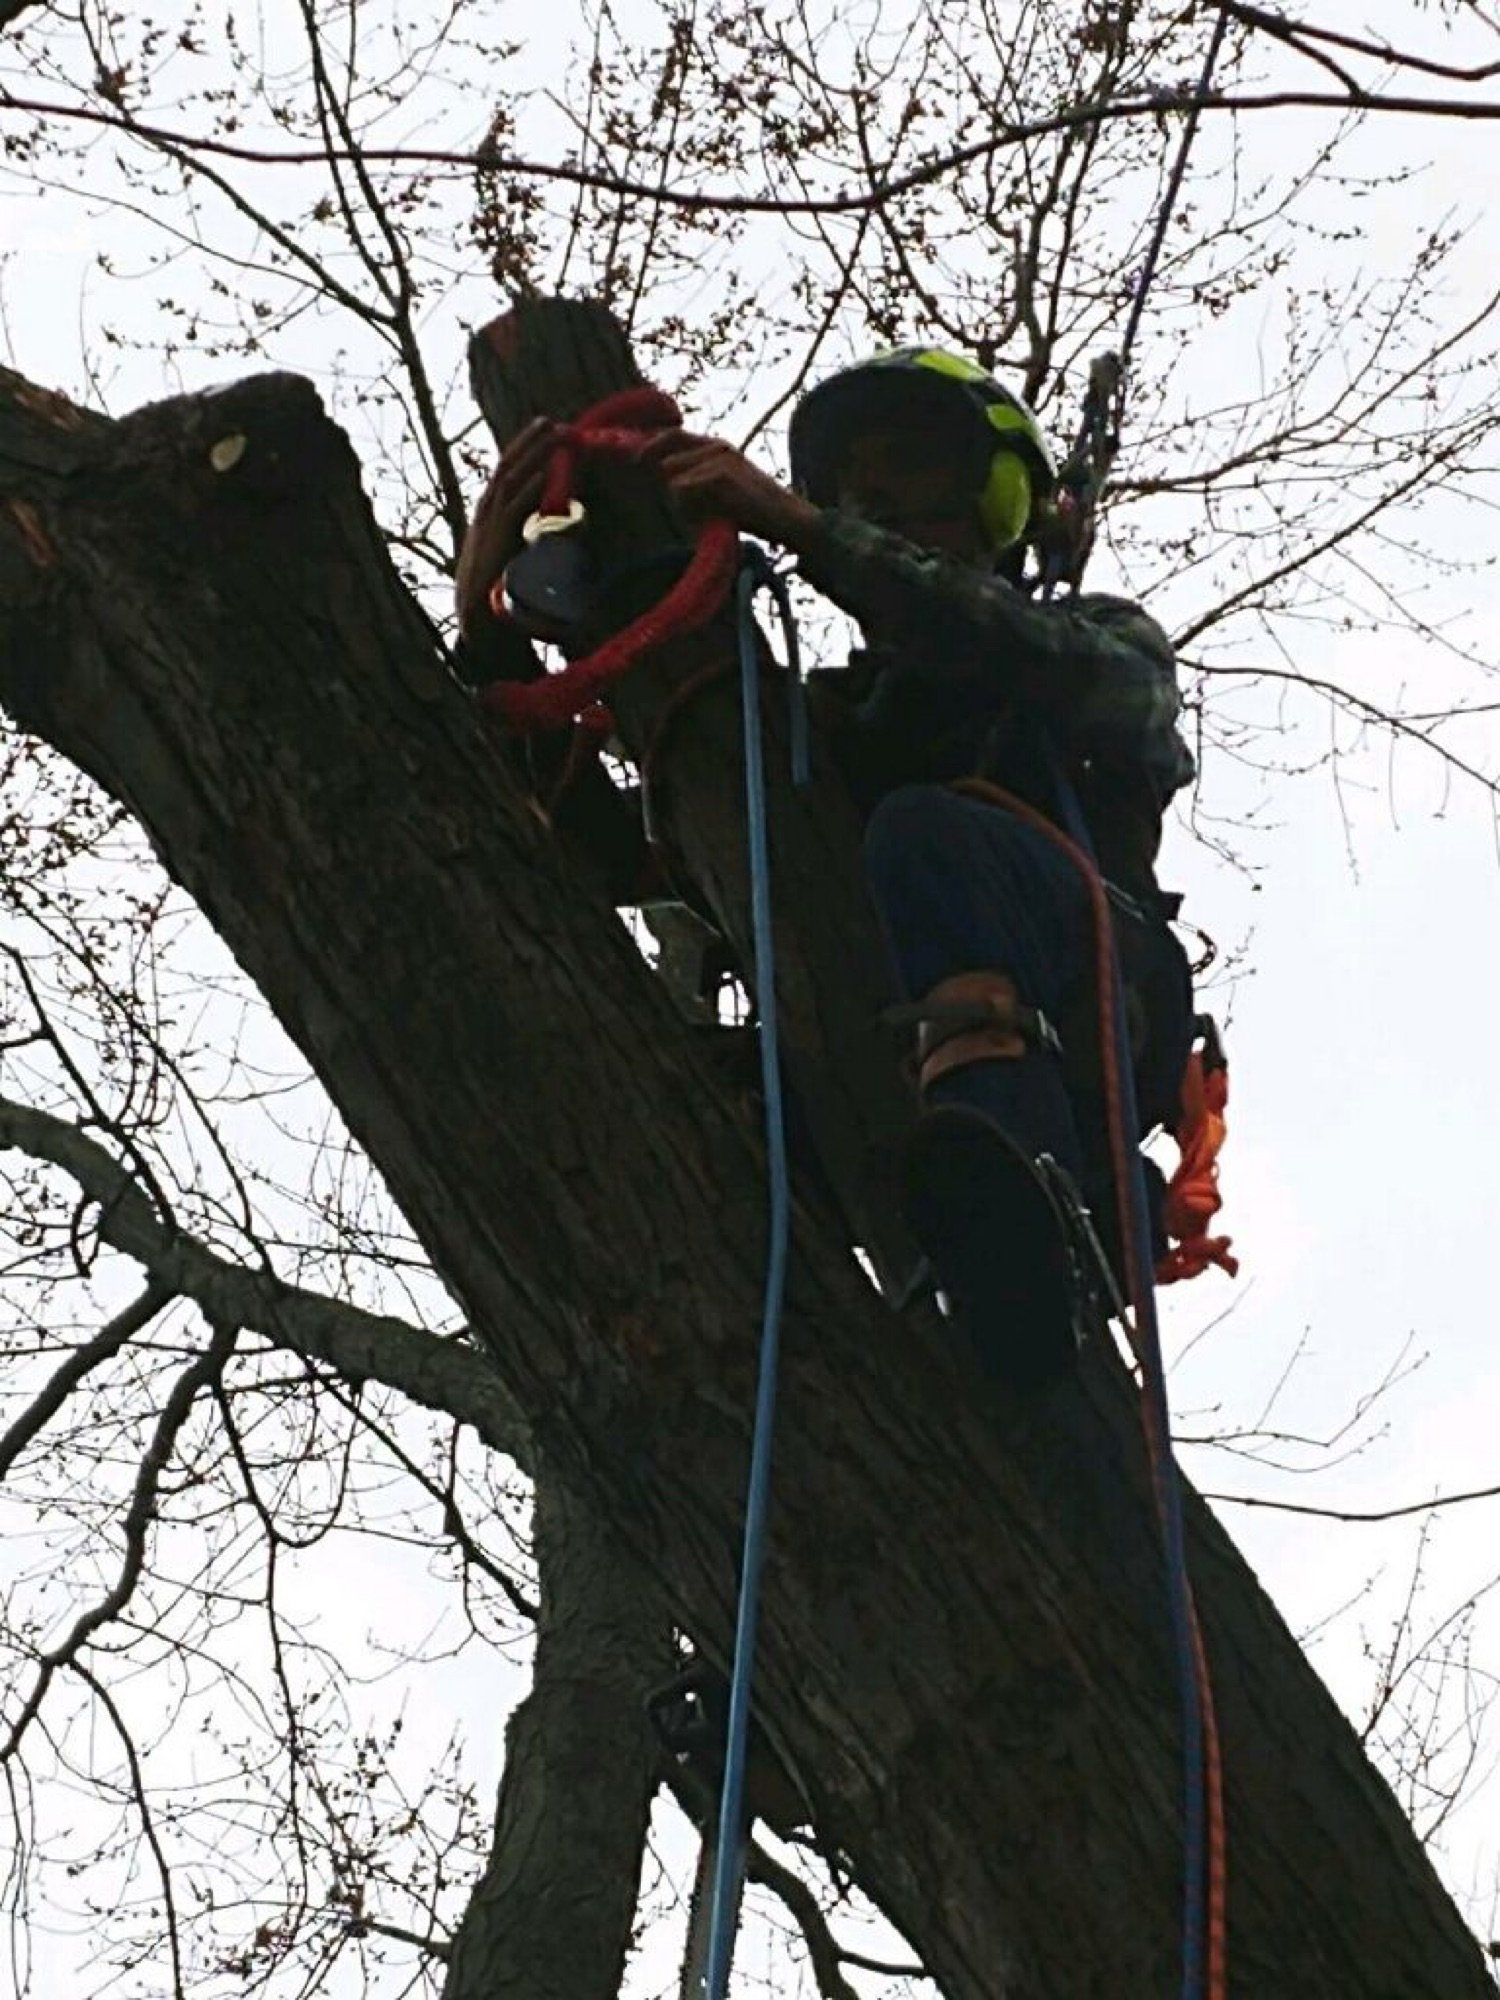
963,1655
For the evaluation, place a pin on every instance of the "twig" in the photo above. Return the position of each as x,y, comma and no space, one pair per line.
148,1824
1358,704
435,1947
1374,1514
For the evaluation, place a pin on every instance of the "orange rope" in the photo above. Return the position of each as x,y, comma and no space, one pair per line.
1158,1447
1193,1197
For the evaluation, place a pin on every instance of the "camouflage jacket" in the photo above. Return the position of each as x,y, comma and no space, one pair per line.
965,675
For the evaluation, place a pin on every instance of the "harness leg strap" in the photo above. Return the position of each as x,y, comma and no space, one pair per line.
973,1017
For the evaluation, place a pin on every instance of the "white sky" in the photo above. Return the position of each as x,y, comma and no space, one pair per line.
1360,1176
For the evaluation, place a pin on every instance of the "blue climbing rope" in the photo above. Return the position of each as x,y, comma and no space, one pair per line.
756,574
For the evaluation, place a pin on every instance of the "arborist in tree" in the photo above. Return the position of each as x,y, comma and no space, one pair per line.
919,487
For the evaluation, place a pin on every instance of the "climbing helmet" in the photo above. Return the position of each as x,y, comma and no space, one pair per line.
1013,468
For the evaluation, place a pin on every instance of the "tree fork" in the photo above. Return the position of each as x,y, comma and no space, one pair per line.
963,1653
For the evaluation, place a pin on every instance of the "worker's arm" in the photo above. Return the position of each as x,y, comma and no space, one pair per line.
1098,667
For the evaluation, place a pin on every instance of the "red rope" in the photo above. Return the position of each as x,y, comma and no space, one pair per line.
619,427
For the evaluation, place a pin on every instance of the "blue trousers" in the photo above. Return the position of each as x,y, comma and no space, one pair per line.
962,886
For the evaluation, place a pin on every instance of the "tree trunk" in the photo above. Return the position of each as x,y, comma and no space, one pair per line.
552,1916
963,1658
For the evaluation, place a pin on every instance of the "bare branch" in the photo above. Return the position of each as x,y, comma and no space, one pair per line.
104,1346
1153,104
439,1374
1283,29
435,1947
1360,705
135,1527
1432,1506
826,1955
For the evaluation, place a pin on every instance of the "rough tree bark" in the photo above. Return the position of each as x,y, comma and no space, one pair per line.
963,1655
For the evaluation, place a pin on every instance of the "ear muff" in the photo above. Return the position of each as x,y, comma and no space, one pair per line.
1005,500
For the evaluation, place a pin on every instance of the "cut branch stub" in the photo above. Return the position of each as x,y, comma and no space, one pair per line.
556,357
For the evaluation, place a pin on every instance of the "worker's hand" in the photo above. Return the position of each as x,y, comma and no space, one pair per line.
507,504
707,479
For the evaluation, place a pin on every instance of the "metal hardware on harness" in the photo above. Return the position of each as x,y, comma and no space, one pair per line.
686,1722
960,1016
538,525
1086,1252
1082,1248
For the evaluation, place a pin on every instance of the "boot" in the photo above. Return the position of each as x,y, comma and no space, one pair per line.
990,1178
